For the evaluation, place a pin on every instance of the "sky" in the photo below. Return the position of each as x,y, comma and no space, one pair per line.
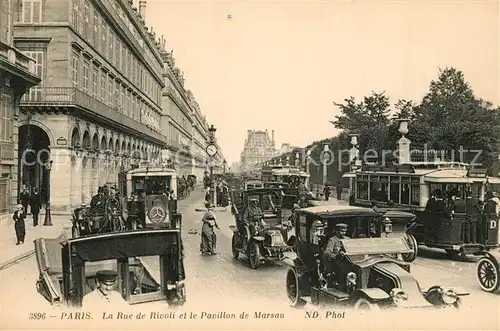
279,65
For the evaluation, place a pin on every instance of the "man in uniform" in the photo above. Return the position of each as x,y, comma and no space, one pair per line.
250,216
97,202
333,251
105,294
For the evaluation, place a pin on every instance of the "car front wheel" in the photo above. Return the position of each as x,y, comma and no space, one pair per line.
254,255
293,289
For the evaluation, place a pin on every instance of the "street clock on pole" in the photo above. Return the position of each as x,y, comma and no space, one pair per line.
212,150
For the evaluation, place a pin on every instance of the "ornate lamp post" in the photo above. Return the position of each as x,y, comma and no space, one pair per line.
48,216
224,165
326,150
211,155
308,158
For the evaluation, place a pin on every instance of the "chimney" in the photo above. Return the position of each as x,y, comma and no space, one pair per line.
272,136
142,9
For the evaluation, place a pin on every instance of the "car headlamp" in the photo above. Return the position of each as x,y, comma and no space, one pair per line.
387,225
398,294
352,278
449,296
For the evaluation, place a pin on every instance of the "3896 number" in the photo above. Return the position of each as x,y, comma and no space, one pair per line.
37,316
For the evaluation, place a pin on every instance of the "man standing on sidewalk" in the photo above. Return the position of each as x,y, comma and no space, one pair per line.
35,205
19,226
24,198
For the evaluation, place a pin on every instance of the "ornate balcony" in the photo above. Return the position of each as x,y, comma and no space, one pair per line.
69,97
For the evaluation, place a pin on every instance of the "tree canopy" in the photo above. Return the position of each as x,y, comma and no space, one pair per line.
449,117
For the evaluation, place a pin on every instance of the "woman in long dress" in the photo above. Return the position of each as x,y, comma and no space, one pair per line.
208,236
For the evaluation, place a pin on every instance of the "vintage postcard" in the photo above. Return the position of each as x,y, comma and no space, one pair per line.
249,165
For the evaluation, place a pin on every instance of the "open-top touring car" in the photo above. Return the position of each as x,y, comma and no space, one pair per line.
266,240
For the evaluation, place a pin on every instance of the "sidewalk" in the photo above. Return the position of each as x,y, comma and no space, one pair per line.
10,253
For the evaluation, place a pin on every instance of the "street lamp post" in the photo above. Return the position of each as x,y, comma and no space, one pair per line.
211,131
326,149
308,158
48,216
224,165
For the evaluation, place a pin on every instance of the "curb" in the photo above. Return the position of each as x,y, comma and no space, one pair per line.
25,255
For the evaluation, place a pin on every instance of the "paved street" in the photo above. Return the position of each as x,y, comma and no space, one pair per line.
222,284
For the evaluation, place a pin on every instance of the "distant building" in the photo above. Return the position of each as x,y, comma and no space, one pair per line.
259,147
284,149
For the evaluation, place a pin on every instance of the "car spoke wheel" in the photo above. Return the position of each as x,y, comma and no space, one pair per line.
412,243
254,255
363,304
293,289
487,274
234,249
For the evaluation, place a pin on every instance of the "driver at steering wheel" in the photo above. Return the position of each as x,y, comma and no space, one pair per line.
253,215
333,251
97,203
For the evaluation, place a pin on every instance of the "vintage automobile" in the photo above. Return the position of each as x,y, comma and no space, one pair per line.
369,273
276,184
252,184
408,187
267,242
85,222
149,195
488,271
149,263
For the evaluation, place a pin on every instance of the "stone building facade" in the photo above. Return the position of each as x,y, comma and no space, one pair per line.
17,74
98,109
182,120
259,147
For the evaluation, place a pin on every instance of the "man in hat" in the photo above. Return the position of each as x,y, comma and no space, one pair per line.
105,293
19,225
97,202
252,215
332,250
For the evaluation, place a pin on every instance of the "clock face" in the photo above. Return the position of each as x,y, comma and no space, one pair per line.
211,150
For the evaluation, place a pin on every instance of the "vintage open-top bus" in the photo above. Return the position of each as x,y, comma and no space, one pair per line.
408,187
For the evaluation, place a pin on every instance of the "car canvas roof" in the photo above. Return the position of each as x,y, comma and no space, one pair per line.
383,245
333,210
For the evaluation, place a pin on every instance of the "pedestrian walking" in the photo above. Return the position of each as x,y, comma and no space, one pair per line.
24,198
35,203
19,226
326,192
339,191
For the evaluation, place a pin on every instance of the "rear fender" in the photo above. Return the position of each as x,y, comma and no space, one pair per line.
374,294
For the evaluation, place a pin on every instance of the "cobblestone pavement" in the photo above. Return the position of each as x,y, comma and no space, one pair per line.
220,284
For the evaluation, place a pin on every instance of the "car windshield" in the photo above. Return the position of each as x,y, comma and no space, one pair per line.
151,184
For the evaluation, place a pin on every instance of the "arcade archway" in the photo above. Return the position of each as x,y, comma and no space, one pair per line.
34,152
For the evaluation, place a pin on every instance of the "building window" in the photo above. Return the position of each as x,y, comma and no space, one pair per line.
86,74
95,38
117,96
31,11
103,86
110,91
76,15
74,69
111,42
35,91
86,20
6,114
104,31
122,94
95,77
128,103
